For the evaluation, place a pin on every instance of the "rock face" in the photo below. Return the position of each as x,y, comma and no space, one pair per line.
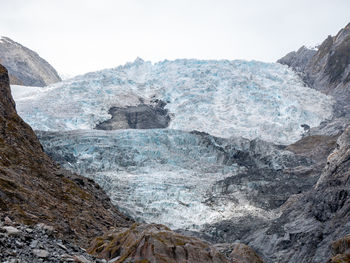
156,244
312,220
298,60
33,189
142,116
305,230
25,66
327,70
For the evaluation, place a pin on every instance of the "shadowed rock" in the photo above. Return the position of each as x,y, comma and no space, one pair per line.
34,189
137,117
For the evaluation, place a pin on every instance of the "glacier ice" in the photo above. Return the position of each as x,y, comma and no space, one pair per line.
168,175
163,176
223,98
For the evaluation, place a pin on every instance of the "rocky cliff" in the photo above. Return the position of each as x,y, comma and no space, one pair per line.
327,70
33,189
306,229
25,66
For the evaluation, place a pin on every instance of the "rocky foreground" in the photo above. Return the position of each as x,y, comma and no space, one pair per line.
21,243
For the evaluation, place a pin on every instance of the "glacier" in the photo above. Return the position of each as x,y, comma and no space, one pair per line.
223,98
168,176
221,156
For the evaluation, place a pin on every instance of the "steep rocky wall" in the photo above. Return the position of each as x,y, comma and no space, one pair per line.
314,219
326,69
33,189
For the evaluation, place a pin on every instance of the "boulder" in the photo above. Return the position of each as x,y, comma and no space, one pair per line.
153,243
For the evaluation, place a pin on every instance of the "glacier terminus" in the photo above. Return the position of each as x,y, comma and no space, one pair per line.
226,120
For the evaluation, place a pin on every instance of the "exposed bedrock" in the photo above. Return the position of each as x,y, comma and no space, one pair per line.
156,243
142,116
312,220
269,235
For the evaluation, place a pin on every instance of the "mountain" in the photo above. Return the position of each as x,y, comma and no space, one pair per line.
315,219
328,71
314,224
327,68
25,66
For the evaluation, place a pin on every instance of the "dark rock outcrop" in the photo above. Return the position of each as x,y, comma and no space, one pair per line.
25,66
33,189
298,60
157,243
142,116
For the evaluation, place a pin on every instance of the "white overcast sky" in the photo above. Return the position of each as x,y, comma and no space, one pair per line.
77,36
